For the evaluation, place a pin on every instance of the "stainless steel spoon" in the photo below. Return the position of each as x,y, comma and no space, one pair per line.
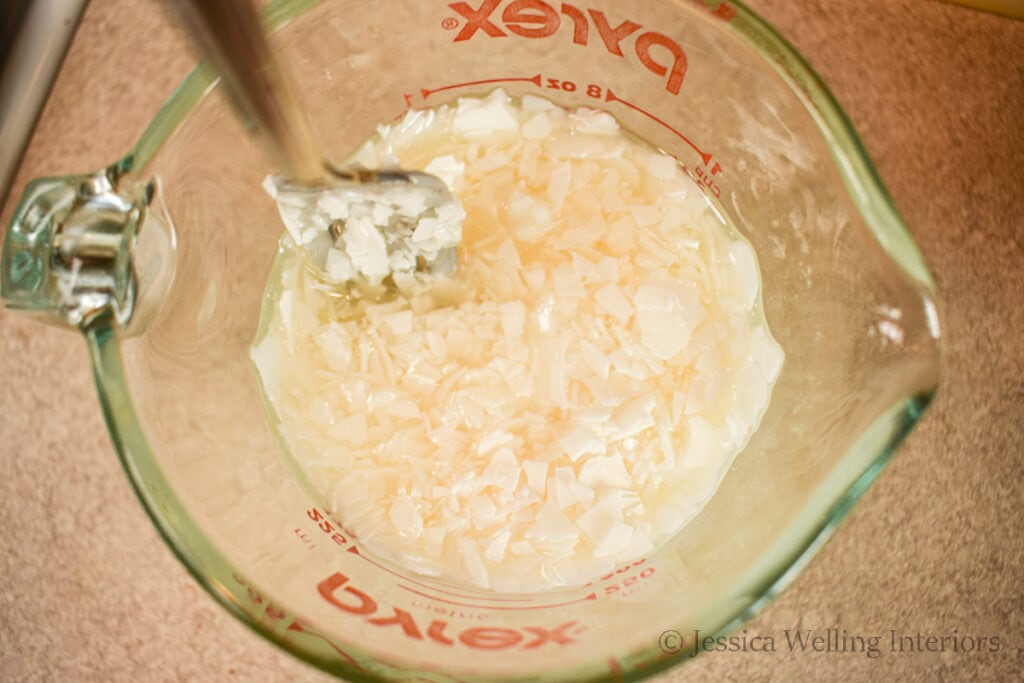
335,212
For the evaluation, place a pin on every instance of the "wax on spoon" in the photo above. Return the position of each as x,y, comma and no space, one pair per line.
356,224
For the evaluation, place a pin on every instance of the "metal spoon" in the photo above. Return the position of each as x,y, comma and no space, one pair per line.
355,223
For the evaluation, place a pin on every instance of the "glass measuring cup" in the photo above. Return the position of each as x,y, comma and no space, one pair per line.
844,291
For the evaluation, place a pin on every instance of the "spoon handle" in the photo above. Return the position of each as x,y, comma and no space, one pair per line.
231,34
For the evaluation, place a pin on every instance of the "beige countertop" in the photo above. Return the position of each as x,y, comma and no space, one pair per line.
90,593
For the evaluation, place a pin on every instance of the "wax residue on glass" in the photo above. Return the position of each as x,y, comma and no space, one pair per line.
565,405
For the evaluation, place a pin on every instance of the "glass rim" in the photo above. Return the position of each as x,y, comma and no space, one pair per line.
868,194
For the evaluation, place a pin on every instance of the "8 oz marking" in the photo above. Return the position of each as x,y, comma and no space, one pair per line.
556,84
592,89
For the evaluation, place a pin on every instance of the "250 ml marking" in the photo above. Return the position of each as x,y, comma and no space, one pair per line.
622,585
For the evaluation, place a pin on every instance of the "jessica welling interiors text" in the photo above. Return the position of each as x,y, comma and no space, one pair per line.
831,640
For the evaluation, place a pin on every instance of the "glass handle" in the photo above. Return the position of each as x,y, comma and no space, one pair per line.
79,246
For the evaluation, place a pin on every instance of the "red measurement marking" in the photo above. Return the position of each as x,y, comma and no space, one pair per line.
355,551
304,538
724,12
592,596
612,97
427,93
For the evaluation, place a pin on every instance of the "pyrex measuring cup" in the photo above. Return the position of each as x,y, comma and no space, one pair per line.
161,261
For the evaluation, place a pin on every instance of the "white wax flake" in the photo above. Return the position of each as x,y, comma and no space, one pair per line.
552,373
405,517
536,475
592,122
558,185
595,416
635,416
447,168
583,494
568,283
513,318
562,485
404,409
445,230
293,222
666,318
337,346
597,361
607,270
339,267
483,511
522,548
570,399
533,218
552,525
399,323
381,213
350,430
479,117
537,127
507,253
366,248
437,344
612,300
534,103
472,563
495,551
662,166
597,522
486,164
433,540
493,440
568,491
535,278
664,428
503,471
582,441
645,216
605,471
615,540
583,267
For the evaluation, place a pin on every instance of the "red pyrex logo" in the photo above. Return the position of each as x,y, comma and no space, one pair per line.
354,601
537,19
